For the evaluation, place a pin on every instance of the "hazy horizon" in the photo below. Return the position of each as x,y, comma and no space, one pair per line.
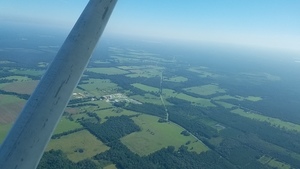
263,24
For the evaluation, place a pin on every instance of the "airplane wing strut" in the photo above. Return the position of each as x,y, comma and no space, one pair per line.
26,141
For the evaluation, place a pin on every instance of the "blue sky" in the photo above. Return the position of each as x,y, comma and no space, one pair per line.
263,23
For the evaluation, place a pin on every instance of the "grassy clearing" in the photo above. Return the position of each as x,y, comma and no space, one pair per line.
72,143
8,99
138,54
273,163
155,136
100,86
80,116
253,98
203,72
239,98
194,100
10,107
206,90
111,166
145,74
5,62
108,71
28,72
43,64
145,87
22,87
216,141
101,105
3,85
101,62
113,113
277,164
273,121
132,67
178,79
65,125
228,97
211,123
260,77
4,129
171,93
18,78
149,98
143,71
226,105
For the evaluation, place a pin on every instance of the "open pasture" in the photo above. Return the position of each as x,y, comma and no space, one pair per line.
206,90
259,77
145,87
99,87
226,105
198,101
178,79
78,146
111,166
155,136
4,129
22,87
203,72
238,98
149,98
30,72
273,163
18,78
273,121
65,125
253,98
108,71
103,114
146,71
10,107
172,93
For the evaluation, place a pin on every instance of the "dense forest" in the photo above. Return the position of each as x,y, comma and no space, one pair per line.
113,129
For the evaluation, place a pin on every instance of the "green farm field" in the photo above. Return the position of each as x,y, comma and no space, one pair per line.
111,166
103,114
18,78
145,87
198,101
28,72
172,93
99,86
108,71
206,90
142,71
273,121
273,163
149,98
65,125
10,107
22,87
78,146
238,98
4,128
203,72
155,135
178,79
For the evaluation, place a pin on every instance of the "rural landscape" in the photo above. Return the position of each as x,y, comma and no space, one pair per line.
157,107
